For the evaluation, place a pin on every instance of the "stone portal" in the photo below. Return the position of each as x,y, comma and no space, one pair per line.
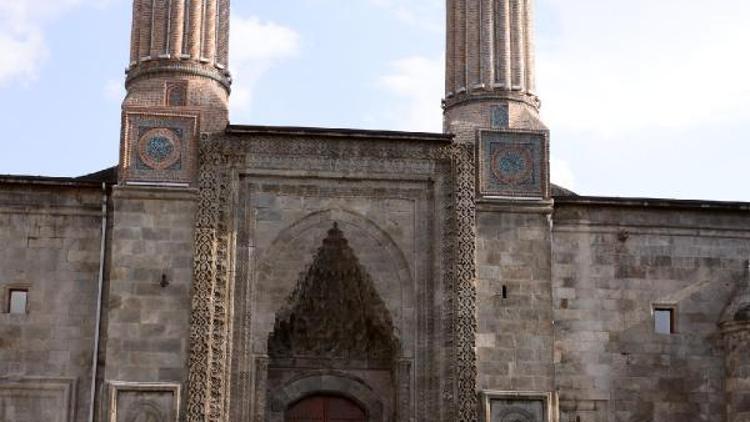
333,340
325,408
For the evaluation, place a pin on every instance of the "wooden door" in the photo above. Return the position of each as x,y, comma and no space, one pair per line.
325,409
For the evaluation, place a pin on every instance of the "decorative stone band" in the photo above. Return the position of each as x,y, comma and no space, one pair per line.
171,68
490,95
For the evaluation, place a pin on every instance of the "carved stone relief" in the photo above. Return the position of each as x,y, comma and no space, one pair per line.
335,311
145,411
37,399
284,258
143,402
518,407
223,159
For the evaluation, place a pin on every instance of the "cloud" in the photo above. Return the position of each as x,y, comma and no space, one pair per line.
417,82
561,173
22,53
256,46
424,14
114,90
22,37
618,67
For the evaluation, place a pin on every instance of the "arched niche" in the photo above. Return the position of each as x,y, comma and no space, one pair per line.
280,265
338,384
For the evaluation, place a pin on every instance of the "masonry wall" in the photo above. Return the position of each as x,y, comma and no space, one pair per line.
149,295
515,335
611,265
50,235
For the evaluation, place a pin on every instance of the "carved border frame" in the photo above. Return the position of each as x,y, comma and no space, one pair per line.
549,402
66,388
483,188
209,364
128,145
116,387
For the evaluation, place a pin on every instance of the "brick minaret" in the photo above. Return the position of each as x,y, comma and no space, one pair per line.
177,72
503,171
177,91
490,68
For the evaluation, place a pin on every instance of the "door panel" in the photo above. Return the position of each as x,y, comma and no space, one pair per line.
325,409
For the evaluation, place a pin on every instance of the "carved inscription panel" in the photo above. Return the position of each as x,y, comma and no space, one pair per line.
499,406
144,402
517,410
37,399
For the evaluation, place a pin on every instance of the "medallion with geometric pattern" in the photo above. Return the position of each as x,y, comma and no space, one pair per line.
513,163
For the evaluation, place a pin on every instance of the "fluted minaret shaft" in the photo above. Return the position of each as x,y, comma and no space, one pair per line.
490,50
170,33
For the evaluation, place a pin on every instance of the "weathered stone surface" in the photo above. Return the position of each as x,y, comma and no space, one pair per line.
463,286
611,265
50,234
150,284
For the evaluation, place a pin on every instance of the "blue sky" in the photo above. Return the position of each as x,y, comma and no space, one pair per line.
643,97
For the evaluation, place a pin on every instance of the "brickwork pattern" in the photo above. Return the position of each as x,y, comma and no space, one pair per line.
191,31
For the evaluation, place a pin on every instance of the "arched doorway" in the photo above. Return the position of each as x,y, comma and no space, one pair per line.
325,408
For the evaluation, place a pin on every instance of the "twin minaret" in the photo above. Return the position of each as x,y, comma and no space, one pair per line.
489,52
179,69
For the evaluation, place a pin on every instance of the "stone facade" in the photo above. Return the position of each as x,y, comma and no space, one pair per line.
613,262
231,273
51,234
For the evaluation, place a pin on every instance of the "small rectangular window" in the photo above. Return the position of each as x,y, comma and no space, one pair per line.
664,320
18,301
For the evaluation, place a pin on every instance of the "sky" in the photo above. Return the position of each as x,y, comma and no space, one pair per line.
644,98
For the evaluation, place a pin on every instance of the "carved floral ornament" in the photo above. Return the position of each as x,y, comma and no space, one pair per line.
210,348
